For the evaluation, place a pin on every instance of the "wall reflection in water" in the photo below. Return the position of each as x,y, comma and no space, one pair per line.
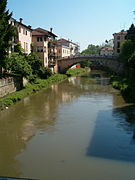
114,134
20,123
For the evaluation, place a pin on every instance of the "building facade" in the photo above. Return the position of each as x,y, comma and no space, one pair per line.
24,36
67,48
119,38
106,51
44,45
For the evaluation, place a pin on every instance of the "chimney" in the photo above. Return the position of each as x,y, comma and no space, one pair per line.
51,30
29,26
21,20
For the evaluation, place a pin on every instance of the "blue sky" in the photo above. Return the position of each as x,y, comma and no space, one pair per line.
83,21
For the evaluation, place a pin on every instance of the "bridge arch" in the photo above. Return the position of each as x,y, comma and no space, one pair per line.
109,62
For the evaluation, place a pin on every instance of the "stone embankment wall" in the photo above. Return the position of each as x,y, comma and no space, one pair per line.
9,85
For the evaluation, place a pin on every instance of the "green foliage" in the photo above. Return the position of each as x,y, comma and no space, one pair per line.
35,62
75,71
37,68
131,33
18,64
131,60
7,31
45,72
92,49
18,48
128,48
85,64
30,89
120,83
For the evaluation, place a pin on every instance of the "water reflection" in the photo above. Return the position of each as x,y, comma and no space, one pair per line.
19,123
114,134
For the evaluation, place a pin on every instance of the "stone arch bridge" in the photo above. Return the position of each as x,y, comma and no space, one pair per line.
109,62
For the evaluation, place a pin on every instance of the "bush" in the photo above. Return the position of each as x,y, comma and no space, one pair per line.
18,64
44,73
35,62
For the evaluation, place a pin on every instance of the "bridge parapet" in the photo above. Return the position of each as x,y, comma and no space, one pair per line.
88,56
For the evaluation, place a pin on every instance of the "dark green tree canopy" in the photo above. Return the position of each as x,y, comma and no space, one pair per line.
7,31
131,33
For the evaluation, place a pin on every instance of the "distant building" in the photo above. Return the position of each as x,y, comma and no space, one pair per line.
44,45
119,38
62,50
106,51
24,36
67,48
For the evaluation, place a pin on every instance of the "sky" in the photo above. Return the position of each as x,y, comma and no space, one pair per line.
82,21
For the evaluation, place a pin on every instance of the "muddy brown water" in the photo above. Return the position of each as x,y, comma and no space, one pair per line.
80,129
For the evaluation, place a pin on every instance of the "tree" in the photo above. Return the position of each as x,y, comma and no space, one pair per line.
35,62
131,33
19,65
92,49
7,31
18,48
128,47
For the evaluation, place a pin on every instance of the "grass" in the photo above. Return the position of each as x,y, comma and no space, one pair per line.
30,89
76,71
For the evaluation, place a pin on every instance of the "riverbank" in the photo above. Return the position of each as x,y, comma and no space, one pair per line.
126,87
39,84
30,89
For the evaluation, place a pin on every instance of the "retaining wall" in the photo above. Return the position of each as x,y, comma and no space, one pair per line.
9,85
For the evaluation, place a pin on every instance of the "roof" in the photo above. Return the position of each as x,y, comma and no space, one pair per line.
28,27
107,49
42,32
66,41
121,32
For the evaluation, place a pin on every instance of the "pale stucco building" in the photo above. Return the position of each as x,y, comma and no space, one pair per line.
24,36
106,51
119,38
67,48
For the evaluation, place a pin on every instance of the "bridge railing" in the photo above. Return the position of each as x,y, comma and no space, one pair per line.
88,56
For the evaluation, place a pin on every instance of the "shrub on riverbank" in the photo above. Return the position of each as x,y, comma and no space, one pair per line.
75,71
30,89
127,87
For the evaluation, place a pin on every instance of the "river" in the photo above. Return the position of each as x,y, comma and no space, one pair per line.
80,129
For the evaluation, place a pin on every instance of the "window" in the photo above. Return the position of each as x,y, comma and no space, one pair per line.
59,51
19,29
118,50
39,49
118,37
39,39
44,48
26,47
23,31
26,33
118,44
